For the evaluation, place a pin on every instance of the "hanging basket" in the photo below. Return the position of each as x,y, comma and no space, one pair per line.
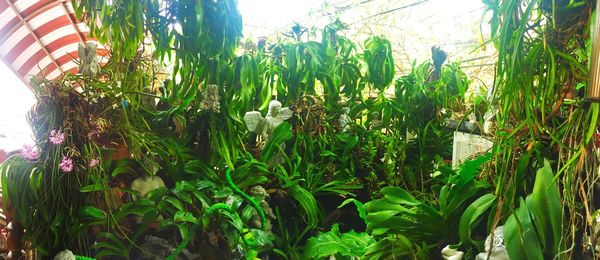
118,152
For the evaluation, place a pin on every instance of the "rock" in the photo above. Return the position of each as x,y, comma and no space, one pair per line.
155,248
65,255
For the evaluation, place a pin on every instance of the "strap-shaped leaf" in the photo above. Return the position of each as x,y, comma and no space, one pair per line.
472,216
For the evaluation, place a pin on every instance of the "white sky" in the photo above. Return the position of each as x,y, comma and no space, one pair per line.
262,17
15,101
412,26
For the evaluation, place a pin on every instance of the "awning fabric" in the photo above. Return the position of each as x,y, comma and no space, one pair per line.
40,38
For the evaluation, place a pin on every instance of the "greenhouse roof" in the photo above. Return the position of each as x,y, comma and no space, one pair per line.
40,38
413,26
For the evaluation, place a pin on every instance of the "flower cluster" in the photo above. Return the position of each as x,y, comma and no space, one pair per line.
97,127
56,137
30,153
66,165
94,162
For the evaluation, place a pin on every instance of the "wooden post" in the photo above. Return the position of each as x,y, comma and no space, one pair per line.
593,92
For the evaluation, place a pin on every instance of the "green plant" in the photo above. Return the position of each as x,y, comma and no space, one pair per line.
543,52
400,213
378,56
534,230
334,243
160,121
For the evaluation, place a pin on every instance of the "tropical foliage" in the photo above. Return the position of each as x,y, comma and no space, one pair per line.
155,147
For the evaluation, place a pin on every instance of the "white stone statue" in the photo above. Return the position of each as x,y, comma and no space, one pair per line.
65,255
489,121
145,184
451,254
87,57
375,119
265,126
498,250
261,196
210,101
345,120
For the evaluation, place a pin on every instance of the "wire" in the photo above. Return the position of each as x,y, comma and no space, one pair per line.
324,12
390,11
479,65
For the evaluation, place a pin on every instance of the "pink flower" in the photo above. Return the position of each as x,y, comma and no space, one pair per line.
66,165
56,137
94,163
30,153
93,134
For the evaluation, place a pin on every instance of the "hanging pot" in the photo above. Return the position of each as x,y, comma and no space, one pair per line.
120,152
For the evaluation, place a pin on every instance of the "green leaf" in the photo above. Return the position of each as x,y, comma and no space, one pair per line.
522,242
183,216
545,206
359,207
262,240
472,216
112,243
399,195
123,166
93,187
138,208
91,215
308,203
470,169
390,247
281,134
175,203
332,243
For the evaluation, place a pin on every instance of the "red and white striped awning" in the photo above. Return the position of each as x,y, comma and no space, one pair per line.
41,37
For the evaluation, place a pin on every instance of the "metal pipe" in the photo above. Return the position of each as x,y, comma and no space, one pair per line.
32,32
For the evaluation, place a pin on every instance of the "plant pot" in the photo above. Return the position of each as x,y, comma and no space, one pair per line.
120,152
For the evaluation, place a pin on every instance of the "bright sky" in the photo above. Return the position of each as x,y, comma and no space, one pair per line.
412,26
15,101
262,17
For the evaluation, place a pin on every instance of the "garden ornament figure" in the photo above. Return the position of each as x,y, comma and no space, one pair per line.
452,254
87,56
265,126
375,119
210,102
489,124
345,120
497,250
145,184
155,248
65,255
260,195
